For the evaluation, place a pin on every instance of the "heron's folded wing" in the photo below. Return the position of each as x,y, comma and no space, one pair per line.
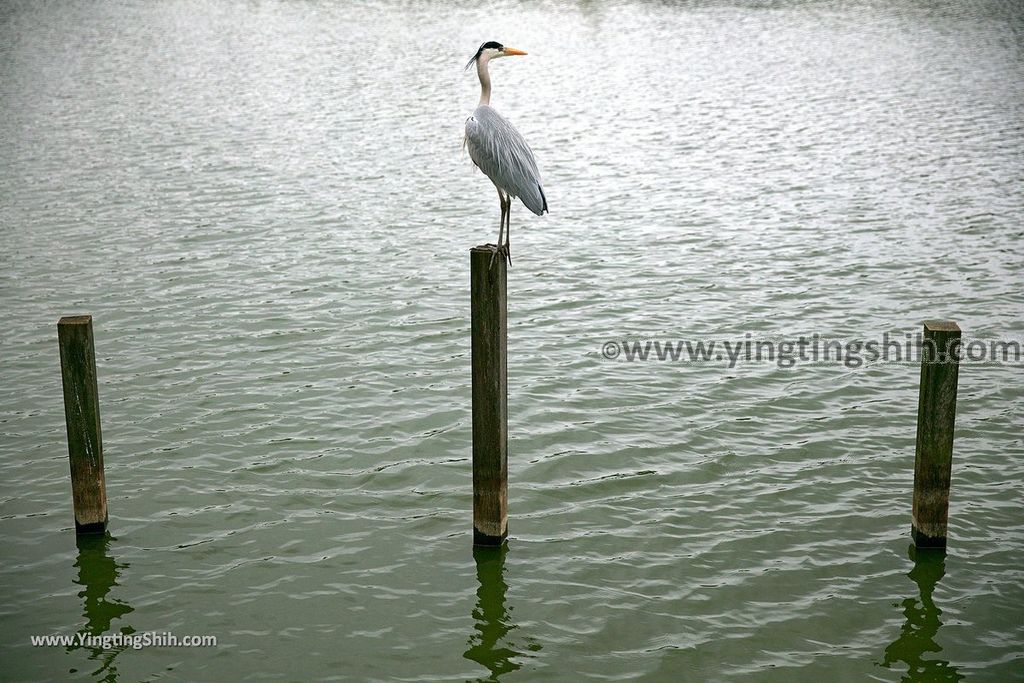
498,149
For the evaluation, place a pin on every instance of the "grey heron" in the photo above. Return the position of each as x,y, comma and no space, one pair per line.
500,152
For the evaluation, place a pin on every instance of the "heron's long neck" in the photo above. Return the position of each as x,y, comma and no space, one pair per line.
485,80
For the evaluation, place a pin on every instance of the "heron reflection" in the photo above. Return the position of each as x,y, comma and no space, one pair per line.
490,645
917,636
97,575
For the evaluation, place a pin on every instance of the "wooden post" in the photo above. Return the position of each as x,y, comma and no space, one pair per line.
936,413
490,396
82,413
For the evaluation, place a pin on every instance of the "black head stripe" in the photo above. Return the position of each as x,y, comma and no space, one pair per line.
489,45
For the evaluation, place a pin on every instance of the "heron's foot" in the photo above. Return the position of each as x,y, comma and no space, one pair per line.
503,250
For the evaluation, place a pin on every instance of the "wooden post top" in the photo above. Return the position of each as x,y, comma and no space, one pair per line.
75,320
941,326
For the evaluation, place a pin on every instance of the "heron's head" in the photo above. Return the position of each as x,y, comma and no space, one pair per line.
492,50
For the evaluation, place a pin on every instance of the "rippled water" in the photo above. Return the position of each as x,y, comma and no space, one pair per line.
266,209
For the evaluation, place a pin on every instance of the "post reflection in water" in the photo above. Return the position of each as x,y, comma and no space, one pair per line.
97,574
917,637
491,645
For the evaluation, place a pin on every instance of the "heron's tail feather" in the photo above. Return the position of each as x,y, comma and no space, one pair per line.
535,201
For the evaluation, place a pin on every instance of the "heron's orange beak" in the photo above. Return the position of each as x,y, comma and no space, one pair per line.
513,51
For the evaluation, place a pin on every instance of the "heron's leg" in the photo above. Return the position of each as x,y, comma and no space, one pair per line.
501,226
501,229
508,229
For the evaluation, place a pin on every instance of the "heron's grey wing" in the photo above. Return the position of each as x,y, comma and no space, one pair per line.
498,149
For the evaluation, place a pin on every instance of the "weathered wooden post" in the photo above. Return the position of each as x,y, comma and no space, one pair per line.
82,413
490,396
936,413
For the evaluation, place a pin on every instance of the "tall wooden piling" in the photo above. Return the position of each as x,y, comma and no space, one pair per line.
489,328
936,414
82,413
